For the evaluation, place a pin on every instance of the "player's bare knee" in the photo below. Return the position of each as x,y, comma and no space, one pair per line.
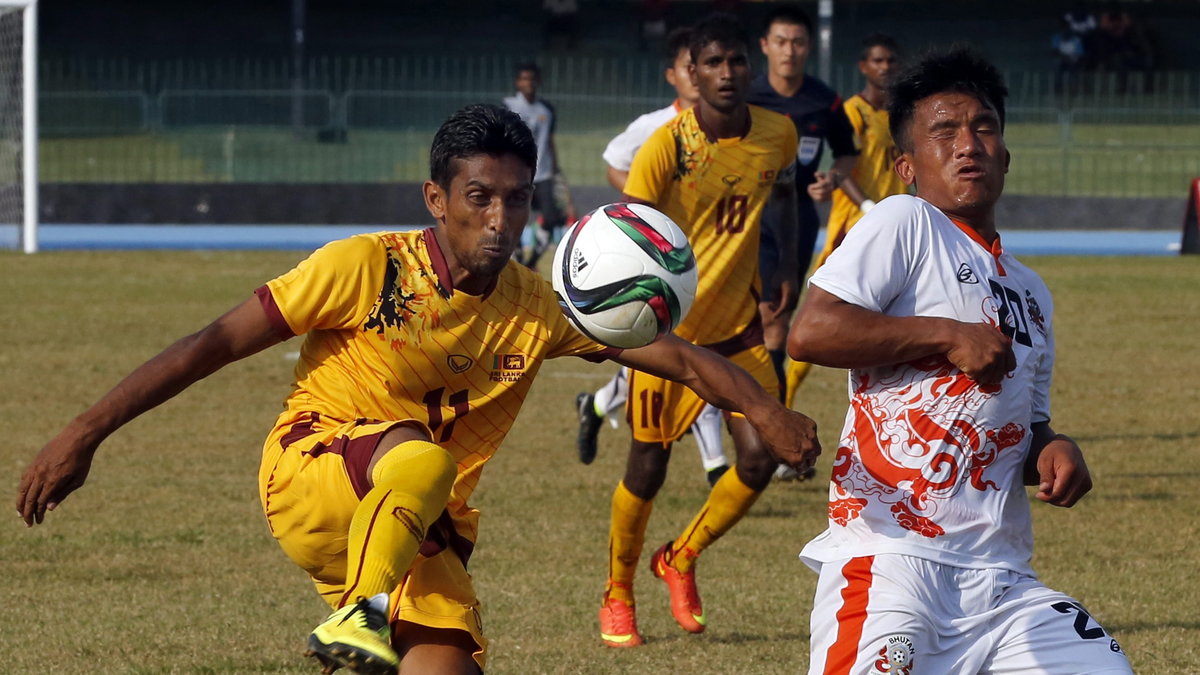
646,470
755,465
756,473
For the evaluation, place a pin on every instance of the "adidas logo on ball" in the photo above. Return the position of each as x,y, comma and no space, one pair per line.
578,263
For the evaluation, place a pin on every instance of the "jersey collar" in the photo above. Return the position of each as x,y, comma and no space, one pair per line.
712,136
438,260
994,248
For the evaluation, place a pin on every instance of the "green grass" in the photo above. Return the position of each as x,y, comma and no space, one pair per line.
1098,160
163,562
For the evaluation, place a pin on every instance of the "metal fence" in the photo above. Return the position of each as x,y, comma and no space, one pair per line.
370,120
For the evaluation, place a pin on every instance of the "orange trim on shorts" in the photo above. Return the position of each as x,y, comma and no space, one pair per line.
842,654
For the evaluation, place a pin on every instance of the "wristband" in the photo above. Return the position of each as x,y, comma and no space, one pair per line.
866,205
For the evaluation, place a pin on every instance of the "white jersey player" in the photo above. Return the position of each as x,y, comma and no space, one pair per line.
925,565
618,155
549,184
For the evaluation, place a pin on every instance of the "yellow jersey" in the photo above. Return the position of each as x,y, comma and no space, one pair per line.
715,190
873,172
388,338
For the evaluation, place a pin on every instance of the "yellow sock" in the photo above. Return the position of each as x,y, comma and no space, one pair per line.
728,501
412,486
626,535
796,372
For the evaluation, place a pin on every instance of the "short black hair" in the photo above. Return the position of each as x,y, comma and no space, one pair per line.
480,129
527,67
679,38
959,69
788,14
878,40
721,28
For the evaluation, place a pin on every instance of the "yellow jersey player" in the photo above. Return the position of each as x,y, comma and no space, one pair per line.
873,174
419,350
711,169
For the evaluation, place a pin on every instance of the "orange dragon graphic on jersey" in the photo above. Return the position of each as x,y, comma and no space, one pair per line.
899,420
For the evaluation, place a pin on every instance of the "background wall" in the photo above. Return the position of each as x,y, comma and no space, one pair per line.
139,125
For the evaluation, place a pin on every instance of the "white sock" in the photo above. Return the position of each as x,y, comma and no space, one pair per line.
611,397
379,601
707,430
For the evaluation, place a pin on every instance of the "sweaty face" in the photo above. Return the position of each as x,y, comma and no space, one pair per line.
678,77
878,65
786,46
527,83
722,75
958,158
483,211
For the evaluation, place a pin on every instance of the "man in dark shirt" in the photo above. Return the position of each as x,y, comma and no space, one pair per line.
817,113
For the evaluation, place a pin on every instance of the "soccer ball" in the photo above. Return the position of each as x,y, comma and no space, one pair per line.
625,275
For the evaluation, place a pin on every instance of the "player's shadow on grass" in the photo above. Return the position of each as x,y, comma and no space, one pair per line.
1156,474
1147,497
729,638
1124,629
770,512
1177,436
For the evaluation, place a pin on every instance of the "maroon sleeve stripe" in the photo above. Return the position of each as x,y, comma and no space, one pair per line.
282,330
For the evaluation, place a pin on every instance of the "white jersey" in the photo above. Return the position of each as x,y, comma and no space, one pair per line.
620,150
539,115
930,464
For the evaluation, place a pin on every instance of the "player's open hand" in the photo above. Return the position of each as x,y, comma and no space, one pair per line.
1063,476
982,352
822,187
57,471
792,440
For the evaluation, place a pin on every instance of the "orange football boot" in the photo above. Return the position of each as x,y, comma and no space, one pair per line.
685,599
618,624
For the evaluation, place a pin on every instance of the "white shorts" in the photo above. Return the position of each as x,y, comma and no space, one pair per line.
902,615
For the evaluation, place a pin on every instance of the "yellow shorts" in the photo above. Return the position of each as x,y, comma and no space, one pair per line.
660,411
312,478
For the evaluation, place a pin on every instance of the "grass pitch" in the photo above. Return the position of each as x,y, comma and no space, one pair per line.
163,562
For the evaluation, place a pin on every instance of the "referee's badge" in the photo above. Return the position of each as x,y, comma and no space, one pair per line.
807,151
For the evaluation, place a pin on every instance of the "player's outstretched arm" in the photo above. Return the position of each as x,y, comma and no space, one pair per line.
790,436
62,465
831,332
1055,464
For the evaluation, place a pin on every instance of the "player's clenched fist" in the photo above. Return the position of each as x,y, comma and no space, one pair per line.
981,351
1063,476
822,187
792,439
